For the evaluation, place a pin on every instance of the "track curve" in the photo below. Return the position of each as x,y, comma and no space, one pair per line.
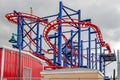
82,24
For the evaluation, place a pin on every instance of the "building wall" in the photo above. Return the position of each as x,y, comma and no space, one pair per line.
10,63
32,64
73,76
29,67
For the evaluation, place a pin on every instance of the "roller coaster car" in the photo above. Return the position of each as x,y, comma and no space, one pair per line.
109,57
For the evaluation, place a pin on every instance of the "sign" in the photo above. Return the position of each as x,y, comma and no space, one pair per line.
109,57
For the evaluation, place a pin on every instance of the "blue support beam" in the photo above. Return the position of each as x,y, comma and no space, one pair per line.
79,40
40,45
60,35
66,57
71,42
81,52
92,60
55,55
19,33
46,17
104,69
70,9
96,54
37,37
89,46
100,61
87,57
31,28
69,15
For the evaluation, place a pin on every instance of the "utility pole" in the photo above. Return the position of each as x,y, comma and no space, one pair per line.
31,13
114,74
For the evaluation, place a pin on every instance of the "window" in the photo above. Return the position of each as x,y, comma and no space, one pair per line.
26,74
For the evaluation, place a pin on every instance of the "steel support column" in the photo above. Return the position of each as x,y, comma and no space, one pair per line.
89,46
96,64
60,35
79,40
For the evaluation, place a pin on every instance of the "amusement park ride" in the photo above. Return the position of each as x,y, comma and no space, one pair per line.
62,40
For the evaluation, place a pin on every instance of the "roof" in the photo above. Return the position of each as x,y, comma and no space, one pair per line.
22,52
71,70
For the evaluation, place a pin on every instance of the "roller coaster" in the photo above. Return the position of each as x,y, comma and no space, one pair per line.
62,40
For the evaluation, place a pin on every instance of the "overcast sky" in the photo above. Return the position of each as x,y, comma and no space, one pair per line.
104,13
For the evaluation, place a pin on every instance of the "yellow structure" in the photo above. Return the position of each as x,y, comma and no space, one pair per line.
72,74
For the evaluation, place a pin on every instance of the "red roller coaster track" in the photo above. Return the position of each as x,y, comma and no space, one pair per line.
12,17
67,22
